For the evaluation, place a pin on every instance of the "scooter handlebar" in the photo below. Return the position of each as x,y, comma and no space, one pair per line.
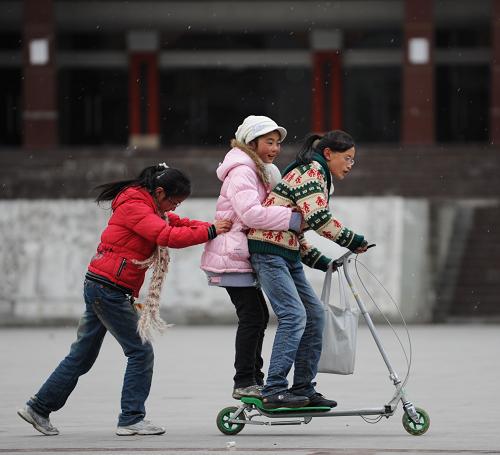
340,261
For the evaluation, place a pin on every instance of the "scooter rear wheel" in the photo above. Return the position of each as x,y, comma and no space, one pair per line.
227,427
417,429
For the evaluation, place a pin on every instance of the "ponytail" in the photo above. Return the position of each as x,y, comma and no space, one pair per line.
337,141
306,152
173,181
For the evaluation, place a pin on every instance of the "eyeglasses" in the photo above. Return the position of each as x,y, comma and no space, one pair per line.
174,203
349,160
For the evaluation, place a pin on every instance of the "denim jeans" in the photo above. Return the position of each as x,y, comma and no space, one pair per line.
106,310
253,317
300,315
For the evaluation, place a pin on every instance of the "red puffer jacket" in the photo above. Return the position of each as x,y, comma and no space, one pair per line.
133,232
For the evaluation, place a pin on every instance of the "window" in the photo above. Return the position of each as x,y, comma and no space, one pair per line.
93,106
462,103
206,107
231,41
447,38
372,103
373,39
10,107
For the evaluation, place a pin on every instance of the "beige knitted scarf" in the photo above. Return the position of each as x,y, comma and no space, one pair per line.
150,320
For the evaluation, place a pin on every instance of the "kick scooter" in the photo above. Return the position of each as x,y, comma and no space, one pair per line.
416,421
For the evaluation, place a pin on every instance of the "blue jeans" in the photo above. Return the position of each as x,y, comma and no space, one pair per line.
300,315
106,309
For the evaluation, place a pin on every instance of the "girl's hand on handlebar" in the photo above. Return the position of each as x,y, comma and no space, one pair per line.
222,226
358,244
362,248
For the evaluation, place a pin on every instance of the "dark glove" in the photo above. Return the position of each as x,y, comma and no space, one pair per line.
357,242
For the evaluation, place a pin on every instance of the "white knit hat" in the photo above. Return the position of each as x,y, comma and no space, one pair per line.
257,125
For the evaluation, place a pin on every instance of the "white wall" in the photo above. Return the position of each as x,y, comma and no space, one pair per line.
46,245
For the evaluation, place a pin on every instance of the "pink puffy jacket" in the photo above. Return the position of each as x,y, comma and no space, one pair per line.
240,200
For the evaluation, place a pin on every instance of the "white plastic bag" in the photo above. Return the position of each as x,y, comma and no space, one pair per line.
339,335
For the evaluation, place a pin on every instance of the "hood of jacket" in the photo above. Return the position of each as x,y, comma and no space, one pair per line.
234,158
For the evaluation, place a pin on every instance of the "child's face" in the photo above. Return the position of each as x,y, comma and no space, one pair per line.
167,203
268,146
339,163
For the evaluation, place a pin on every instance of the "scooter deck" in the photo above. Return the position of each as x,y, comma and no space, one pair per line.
258,404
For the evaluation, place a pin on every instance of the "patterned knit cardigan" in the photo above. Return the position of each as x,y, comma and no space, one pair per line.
307,188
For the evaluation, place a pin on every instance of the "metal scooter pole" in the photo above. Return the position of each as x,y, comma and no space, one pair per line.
343,261
400,394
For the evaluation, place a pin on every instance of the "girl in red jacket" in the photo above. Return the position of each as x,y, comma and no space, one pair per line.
139,231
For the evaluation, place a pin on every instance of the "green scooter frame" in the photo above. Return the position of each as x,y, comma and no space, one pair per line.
416,421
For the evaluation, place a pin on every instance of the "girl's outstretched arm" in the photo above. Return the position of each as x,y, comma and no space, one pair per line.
176,220
142,219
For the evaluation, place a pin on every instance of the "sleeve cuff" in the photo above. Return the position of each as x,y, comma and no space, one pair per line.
212,233
356,242
323,263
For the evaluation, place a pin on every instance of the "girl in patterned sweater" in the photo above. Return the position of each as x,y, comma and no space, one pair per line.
277,258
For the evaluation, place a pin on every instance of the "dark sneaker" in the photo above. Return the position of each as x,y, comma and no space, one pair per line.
284,399
143,427
40,423
318,400
253,391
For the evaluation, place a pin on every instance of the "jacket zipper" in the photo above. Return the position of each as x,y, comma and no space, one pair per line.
122,266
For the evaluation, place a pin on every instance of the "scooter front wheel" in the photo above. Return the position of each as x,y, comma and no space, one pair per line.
419,428
227,427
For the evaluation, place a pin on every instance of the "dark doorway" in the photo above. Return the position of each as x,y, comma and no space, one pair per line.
93,107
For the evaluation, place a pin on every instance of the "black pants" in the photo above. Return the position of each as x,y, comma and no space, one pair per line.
253,317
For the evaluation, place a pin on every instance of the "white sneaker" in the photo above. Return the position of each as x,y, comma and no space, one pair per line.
40,423
143,427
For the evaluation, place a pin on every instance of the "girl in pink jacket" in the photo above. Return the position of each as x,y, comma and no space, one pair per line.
248,175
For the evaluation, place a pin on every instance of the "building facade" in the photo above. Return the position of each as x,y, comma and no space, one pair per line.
94,90
162,73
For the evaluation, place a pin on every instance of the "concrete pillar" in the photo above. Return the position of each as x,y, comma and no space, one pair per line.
495,74
40,117
144,89
418,124
326,80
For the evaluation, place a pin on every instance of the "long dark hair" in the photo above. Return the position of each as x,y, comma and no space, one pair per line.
336,140
173,182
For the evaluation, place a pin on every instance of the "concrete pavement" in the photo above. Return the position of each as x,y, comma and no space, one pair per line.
455,377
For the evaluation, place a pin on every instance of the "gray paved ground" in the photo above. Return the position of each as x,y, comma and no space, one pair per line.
455,378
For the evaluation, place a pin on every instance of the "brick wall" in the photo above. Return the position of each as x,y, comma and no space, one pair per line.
441,172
